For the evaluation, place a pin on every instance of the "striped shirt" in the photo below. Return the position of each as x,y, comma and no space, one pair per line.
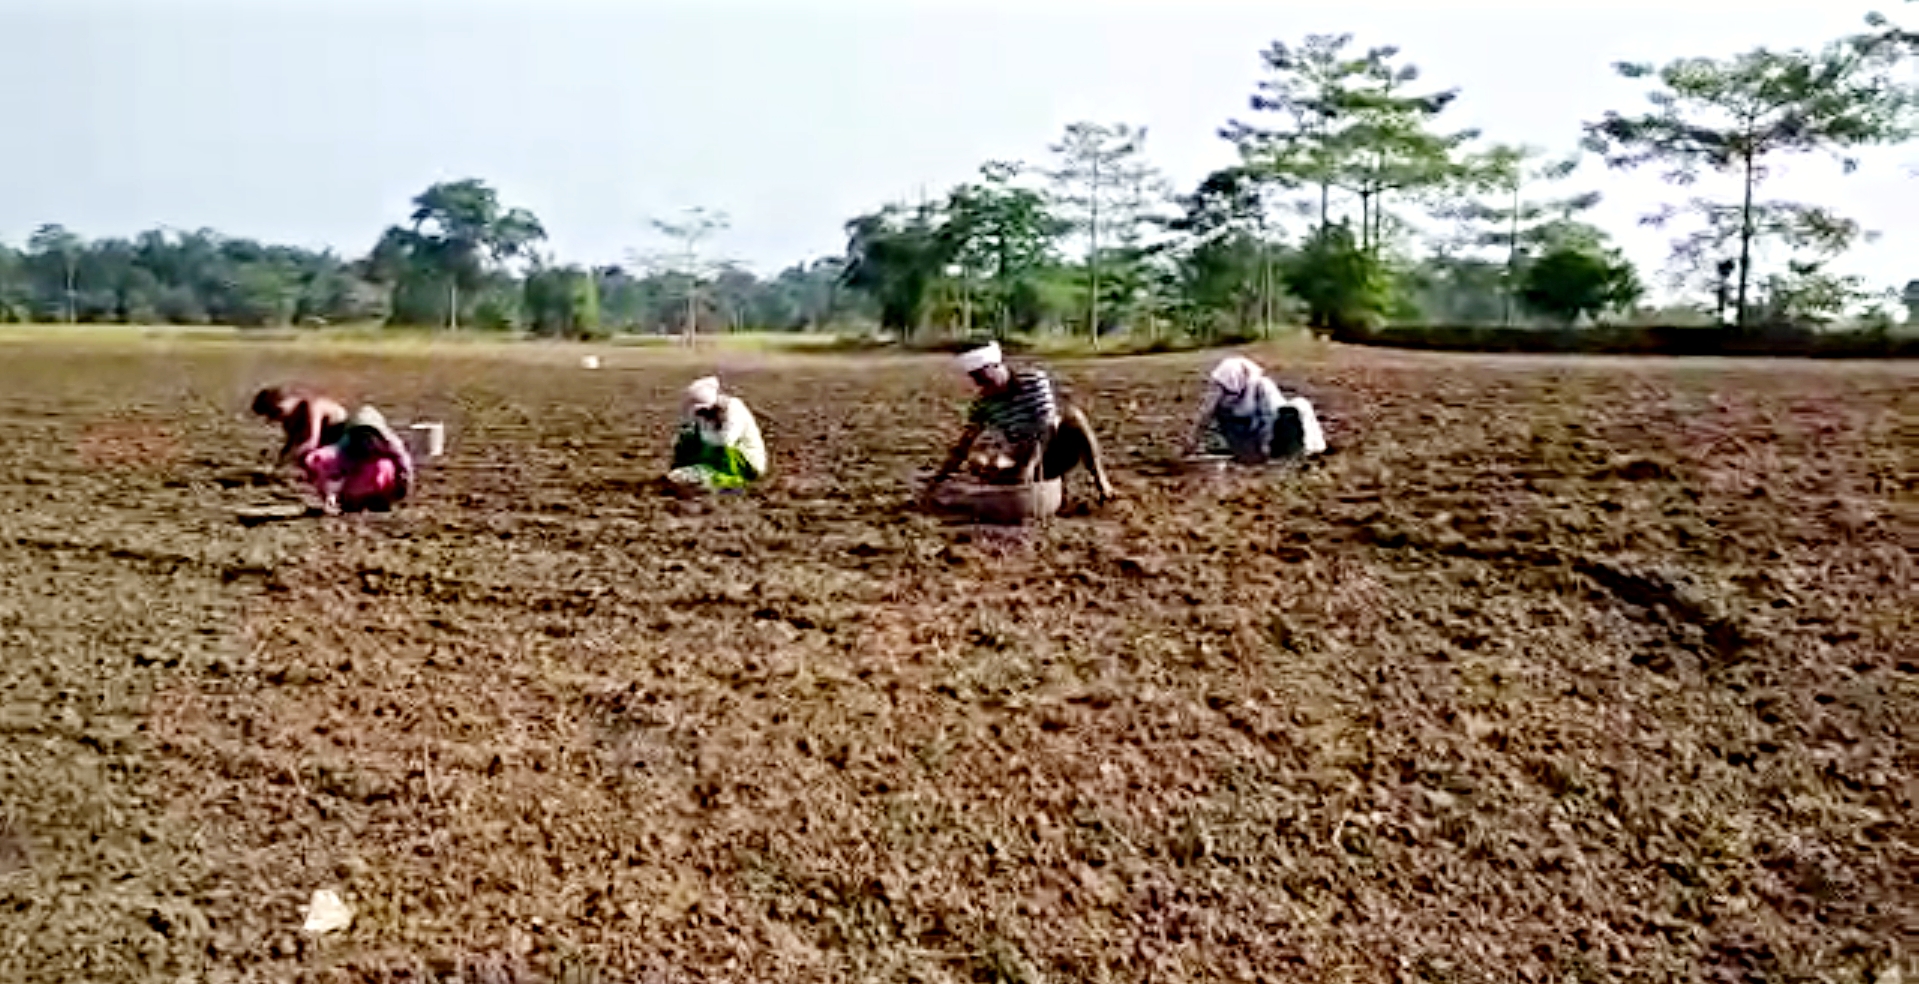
1023,411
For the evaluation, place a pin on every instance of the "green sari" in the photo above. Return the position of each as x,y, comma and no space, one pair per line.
699,464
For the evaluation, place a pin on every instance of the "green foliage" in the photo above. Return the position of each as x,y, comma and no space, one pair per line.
1567,282
497,304
1227,202
1354,126
459,234
1393,150
1001,233
1704,257
1446,289
562,302
1498,214
1308,87
1808,294
179,278
1220,286
1344,286
690,273
1107,192
1224,276
1348,121
897,258
1726,115
1889,44
1732,116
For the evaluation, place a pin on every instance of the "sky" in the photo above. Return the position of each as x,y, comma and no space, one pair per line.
314,122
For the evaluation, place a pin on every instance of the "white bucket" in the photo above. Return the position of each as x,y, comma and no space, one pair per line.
429,439
589,362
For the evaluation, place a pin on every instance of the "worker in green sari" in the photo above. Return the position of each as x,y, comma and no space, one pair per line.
719,446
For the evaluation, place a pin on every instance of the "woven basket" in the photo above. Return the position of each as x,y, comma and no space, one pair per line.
1008,505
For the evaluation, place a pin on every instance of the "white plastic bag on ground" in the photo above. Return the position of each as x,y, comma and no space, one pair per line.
1314,440
326,913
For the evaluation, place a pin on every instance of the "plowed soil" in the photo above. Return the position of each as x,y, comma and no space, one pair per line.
1557,670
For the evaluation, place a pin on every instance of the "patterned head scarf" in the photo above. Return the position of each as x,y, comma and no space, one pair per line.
1238,380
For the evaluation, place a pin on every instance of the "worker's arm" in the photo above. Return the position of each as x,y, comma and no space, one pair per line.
303,432
1204,421
1027,457
957,456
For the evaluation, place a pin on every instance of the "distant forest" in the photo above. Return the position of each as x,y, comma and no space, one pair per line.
1352,205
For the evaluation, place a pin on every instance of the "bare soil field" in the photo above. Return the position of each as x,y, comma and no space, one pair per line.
1557,670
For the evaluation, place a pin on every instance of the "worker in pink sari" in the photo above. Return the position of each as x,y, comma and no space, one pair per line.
367,469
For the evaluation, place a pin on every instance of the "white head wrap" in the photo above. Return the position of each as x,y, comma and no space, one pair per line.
976,359
1238,378
703,392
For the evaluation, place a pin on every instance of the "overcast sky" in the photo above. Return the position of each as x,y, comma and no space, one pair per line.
314,122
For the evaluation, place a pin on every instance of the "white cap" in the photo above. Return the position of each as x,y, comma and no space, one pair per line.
976,359
703,392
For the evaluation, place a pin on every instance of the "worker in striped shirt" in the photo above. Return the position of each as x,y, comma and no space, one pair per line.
1048,440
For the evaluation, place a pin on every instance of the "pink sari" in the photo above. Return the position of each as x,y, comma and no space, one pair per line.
374,478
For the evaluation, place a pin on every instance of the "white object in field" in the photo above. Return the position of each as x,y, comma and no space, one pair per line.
589,362
326,913
434,434
1314,439
1205,464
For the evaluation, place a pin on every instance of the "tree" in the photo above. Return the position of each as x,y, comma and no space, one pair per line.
1447,288
1734,116
1514,224
1706,255
1002,230
1391,148
1343,285
334,293
57,249
1223,285
1567,282
562,302
260,294
178,277
16,290
1225,219
458,232
1889,39
695,227
1100,170
896,257
1807,294
1310,88
1347,121
811,293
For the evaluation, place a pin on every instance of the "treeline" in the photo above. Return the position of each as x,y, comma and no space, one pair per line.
203,278
1352,205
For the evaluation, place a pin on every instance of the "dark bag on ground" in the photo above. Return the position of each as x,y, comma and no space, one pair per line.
1289,434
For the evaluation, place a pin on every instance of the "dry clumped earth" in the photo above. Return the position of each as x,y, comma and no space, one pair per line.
1557,670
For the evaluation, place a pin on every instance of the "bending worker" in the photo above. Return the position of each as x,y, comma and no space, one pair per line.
368,468
1047,440
1247,412
719,446
310,421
